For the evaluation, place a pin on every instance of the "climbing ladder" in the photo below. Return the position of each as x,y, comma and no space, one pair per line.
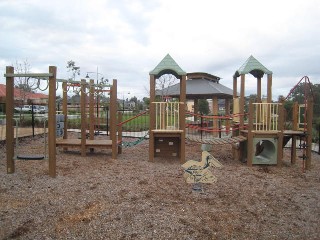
305,111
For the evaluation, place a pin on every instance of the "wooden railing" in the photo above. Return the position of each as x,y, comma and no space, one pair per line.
167,115
266,116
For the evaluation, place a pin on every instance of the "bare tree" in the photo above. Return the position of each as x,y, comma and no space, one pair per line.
23,84
164,83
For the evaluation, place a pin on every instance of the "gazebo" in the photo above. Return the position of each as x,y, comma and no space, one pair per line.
200,85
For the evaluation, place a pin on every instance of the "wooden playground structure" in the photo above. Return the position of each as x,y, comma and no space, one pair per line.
83,143
55,120
167,120
257,136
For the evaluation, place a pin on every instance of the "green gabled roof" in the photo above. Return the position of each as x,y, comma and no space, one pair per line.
167,66
254,67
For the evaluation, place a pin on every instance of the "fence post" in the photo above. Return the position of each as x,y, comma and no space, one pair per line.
219,126
319,139
107,108
201,125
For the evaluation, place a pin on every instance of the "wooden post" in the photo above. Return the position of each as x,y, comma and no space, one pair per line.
295,116
259,89
83,117
182,117
309,132
227,113
195,108
250,147
65,109
113,119
152,117
269,88
9,120
280,134
242,102
215,111
235,87
92,120
52,121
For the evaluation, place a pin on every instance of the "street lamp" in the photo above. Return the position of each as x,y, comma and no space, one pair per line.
102,81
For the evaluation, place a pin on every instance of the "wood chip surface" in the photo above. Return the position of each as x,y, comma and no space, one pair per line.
95,197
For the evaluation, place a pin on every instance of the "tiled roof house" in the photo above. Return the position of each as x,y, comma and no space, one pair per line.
20,95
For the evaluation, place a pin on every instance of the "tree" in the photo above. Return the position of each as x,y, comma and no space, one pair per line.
146,101
71,66
24,84
203,106
134,100
164,83
300,93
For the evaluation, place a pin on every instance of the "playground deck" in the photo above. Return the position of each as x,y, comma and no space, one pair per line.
89,143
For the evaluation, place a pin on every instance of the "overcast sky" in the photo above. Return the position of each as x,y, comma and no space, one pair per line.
126,39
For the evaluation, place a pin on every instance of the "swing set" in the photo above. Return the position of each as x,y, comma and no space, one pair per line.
51,85
54,120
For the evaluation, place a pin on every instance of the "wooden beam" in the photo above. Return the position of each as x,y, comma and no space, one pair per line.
182,113
83,117
65,109
235,87
295,117
259,89
52,121
195,108
30,75
309,132
152,122
227,113
250,147
280,134
113,119
9,120
215,111
269,88
242,102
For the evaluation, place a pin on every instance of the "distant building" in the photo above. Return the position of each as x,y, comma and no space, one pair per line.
21,97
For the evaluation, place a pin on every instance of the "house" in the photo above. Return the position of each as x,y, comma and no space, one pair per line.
22,97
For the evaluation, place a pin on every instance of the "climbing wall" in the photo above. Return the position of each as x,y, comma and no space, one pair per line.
167,147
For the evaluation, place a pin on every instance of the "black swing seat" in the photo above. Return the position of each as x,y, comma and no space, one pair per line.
30,157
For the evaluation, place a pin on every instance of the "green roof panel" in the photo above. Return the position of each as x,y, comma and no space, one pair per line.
168,66
254,67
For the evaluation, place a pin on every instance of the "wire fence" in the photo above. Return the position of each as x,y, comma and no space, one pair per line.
136,126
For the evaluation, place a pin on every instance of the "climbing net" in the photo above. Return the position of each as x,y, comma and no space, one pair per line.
133,127
200,127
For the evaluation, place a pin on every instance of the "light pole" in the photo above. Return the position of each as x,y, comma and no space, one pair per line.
102,80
